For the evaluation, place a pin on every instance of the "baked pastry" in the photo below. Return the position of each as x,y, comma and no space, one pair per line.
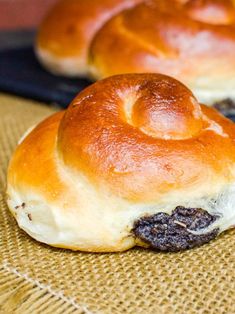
134,160
193,41
66,33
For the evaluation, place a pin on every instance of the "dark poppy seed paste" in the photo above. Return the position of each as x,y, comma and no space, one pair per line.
172,232
225,106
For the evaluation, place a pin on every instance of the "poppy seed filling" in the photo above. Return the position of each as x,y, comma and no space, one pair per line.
226,107
172,232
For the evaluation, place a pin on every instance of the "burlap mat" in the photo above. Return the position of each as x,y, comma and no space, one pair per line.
35,278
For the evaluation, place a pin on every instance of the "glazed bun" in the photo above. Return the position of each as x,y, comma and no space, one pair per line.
134,160
66,33
193,41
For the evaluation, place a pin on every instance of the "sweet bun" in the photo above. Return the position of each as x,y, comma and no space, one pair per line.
191,40
134,160
65,34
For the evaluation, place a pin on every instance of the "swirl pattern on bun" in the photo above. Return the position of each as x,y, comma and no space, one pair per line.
193,41
67,31
128,148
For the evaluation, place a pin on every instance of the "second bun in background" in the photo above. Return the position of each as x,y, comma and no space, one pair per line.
192,40
66,33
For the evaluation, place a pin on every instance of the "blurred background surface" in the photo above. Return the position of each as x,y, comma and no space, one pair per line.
20,72
22,14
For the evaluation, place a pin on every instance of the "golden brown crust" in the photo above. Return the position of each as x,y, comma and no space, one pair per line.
69,27
136,133
191,40
29,156
186,39
129,146
173,41
218,12
139,134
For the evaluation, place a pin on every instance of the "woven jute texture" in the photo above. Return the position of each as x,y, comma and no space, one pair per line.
36,278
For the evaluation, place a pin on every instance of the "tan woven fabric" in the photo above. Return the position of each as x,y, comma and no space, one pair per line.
35,278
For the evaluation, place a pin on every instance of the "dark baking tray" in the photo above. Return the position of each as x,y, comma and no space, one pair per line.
21,74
